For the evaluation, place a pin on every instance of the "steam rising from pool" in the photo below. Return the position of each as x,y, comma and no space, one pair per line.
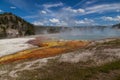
89,33
10,46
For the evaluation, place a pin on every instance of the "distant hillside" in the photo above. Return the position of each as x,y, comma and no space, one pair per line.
49,29
57,29
116,26
14,26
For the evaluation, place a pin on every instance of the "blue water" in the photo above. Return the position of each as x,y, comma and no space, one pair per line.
89,34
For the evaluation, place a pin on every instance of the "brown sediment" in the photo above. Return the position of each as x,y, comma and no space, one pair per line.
48,49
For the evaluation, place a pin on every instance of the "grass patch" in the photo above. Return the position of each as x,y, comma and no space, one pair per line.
109,66
70,71
74,71
113,42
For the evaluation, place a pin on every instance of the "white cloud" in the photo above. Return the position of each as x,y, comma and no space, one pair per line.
118,10
94,9
102,8
108,18
62,23
85,21
52,5
12,7
38,23
26,5
74,10
43,12
81,10
67,15
31,16
90,2
1,11
22,4
54,20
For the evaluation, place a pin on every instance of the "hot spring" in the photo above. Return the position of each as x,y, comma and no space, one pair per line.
88,34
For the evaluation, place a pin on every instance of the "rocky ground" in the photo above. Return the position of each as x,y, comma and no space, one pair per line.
100,60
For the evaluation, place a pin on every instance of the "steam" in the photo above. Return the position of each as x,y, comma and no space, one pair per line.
87,33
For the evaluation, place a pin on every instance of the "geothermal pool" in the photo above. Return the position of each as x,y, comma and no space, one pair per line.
10,46
89,34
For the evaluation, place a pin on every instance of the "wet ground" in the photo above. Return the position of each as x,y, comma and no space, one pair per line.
98,61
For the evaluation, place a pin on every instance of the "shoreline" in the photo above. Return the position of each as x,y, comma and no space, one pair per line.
26,46
100,55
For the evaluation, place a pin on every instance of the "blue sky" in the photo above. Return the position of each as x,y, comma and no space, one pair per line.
65,12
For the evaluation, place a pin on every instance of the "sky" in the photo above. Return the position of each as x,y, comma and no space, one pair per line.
64,12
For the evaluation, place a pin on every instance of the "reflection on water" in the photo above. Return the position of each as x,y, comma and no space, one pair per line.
89,34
